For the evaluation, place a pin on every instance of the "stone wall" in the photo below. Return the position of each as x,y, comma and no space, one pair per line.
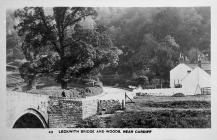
64,112
89,108
109,106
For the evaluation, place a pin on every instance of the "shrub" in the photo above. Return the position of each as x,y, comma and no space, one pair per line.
91,91
91,122
178,95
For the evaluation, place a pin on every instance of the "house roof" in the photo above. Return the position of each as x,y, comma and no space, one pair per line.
205,66
181,65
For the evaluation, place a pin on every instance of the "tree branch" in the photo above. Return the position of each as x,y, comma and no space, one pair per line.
74,41
45,24
68,18
76,20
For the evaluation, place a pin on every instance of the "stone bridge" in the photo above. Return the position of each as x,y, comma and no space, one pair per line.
27,110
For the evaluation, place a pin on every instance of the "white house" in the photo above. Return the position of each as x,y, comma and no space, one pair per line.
178,73
195,81
191,79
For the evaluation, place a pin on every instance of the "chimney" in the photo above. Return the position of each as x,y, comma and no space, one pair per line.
181,58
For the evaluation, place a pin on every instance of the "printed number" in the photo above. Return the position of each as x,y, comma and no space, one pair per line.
50,131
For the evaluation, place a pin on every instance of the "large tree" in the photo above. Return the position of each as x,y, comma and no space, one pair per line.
56,44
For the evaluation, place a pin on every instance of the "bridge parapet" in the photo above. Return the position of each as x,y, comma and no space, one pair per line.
56,112
19,103
66,112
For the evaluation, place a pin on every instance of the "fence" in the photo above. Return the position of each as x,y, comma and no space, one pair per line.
206,90
158,92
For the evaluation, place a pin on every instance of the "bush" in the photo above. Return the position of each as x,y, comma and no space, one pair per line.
91,122
92,91
178,95
113,81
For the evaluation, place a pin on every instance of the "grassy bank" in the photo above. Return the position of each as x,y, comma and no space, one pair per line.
159,119
162,119
72,92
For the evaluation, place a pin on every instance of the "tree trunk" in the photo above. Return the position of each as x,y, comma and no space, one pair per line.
160,83
31,84
61,75
63,85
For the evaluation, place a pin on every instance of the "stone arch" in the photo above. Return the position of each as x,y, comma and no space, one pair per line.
30,118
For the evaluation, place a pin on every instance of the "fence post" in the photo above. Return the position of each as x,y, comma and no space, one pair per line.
123,104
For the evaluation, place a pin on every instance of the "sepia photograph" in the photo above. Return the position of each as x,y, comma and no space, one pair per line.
108,67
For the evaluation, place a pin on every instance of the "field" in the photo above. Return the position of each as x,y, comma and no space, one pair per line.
161,119
158,112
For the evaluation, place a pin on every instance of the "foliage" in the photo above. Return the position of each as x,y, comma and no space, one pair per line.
154,37
13,46
159,58
56,44
150,38
193,55
157,119
91,122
